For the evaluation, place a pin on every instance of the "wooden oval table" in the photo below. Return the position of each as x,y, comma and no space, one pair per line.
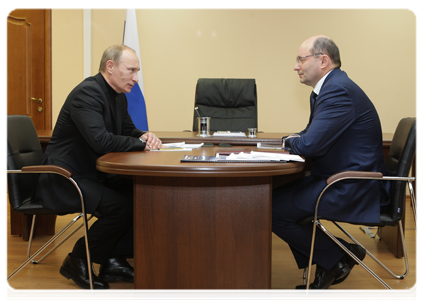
199,225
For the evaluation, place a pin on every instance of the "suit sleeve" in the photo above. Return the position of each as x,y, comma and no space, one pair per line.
334,112
87,113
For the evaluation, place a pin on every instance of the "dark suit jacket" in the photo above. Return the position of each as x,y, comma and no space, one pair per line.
93,121
344,133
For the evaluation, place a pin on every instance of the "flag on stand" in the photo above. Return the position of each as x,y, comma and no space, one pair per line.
136,102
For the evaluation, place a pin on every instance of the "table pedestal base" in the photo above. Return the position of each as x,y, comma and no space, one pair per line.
202,233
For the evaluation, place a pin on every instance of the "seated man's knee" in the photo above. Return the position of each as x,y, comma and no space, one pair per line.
116,206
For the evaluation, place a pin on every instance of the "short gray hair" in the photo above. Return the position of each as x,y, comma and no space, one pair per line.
327,46
113,53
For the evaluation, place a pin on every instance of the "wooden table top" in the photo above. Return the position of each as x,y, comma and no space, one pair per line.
191,138
167,164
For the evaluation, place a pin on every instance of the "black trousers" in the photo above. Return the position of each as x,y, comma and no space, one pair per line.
284,224
111,235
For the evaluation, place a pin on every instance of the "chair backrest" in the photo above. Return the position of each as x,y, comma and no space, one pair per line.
23,149
400,158
231,103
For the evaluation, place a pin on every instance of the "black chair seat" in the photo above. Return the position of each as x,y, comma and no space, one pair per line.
31,208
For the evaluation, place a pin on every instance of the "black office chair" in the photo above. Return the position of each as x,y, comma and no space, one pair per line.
24,156
399,161
231,103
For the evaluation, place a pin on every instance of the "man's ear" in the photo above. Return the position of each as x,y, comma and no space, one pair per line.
109,66
325,61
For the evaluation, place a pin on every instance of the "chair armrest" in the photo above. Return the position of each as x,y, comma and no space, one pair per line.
48,169
354,174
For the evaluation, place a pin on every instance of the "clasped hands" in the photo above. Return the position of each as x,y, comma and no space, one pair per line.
153,142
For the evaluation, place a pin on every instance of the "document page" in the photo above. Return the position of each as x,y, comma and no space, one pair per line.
229,133
178,147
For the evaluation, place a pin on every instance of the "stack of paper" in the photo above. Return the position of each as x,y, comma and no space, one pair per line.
229,133
182,145
179,147
269,146
253,155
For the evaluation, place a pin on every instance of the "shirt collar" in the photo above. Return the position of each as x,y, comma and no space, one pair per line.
320,83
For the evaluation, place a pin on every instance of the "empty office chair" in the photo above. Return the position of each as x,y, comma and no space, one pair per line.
399,161
231,103
24,156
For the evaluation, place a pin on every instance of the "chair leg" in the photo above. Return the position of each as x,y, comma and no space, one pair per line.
352,255
31,234
305,276
63,240
55,237
87,248
413,200
90,266
378,261
310,261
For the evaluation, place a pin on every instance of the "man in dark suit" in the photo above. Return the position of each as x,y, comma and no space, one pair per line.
92,122
343,133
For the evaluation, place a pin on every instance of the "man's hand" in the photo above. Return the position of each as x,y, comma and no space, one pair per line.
288,137
153,142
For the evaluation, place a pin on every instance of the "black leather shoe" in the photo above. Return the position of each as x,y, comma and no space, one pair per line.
116,268
323,279
77,270
358,251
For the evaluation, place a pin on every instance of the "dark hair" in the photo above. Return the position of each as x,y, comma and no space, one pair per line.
327,46
113,53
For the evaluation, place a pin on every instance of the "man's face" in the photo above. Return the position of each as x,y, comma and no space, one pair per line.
124,75
308,68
